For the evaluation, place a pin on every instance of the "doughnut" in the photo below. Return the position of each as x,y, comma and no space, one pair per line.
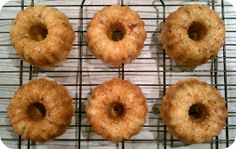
42,36
117,110
116,35
40,110
193,111
192,35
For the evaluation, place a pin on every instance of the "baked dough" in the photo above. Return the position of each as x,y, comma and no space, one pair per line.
40,110
117,110
193,111
42,35
116,35
192,35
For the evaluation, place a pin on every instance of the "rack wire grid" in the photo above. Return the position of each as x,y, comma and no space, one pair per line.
153,71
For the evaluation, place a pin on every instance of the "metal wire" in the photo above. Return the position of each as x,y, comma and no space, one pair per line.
215,74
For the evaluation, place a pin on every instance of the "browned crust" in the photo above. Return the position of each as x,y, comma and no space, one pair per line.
122,51
188,52
58,105
175,106
54,48
124,127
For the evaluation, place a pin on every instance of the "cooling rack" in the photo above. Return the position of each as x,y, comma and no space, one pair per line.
153,71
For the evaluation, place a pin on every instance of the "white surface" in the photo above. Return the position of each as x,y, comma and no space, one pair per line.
2,2
233,145
233,2
2,145
145,71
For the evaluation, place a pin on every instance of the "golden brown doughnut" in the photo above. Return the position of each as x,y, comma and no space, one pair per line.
40,110
116,35
192,35
42,35
117,110
193,111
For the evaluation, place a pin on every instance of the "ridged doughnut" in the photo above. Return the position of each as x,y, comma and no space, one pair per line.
193,111
40,110
42,35
117,110
116,35
192,35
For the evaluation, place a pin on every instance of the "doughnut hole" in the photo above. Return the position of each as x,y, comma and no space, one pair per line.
38,32
198,111
116,32
117,110
36,111
197,31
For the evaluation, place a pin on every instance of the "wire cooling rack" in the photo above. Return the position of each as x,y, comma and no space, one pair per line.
153,71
